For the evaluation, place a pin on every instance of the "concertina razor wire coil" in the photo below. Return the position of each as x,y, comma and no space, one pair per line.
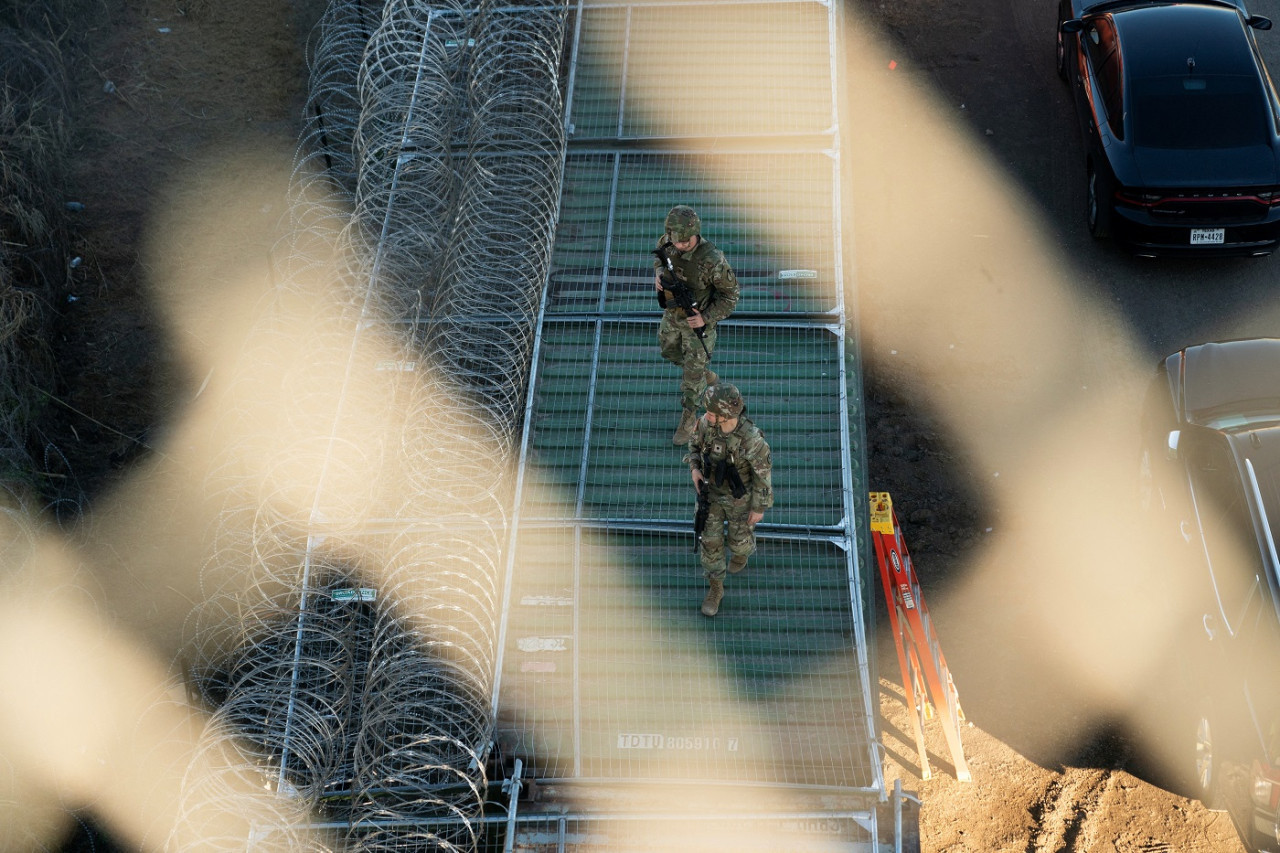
425,188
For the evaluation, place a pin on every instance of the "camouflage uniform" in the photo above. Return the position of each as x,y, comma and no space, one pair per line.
714,288
746,450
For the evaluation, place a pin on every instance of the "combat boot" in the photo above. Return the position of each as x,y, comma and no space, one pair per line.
711,604
684,432
737,564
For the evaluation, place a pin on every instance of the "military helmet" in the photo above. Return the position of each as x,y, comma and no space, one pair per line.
724,400
682,223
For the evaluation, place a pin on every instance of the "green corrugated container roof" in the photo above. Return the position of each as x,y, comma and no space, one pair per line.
610,675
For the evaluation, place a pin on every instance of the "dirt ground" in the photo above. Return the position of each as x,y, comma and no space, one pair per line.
1061,774
171,89
1055,765
170,94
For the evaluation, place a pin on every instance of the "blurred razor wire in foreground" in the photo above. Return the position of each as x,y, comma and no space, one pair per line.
323,540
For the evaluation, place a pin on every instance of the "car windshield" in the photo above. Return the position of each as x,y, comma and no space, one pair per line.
1199,111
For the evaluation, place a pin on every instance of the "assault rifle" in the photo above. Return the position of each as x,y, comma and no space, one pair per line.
700,517
724,473
679,290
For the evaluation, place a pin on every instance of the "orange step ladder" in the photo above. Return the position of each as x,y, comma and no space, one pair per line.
926,681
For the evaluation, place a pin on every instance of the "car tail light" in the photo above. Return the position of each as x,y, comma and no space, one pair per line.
1266,786
1140,198
1150,198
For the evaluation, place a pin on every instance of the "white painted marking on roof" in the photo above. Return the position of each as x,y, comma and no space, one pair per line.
556,600
542,644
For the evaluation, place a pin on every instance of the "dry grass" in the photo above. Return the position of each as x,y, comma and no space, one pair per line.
34,139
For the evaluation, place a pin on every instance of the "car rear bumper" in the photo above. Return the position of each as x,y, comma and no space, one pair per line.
1264,835
1135,231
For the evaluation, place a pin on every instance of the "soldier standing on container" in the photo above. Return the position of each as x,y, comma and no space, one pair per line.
687,338
728,452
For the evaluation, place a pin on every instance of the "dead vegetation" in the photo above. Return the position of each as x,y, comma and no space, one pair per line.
34,259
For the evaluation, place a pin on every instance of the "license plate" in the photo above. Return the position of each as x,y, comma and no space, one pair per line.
1207,236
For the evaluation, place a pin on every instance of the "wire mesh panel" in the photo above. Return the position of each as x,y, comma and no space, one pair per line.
612,672
745,833
644,70
597,109
607,405
615,691
772,215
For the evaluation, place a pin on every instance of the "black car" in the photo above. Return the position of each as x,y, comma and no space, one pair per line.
1211,475
1181,124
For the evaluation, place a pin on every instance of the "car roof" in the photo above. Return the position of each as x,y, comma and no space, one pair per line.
1222,376
1159,41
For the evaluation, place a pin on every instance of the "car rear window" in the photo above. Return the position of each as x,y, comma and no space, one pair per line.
1199,111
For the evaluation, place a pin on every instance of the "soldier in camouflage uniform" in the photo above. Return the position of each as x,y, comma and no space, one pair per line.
714,288
726,443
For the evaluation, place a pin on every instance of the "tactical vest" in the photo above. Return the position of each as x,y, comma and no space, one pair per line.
718,447
696,269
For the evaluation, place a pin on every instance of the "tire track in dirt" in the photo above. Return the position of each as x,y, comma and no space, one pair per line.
1062,812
